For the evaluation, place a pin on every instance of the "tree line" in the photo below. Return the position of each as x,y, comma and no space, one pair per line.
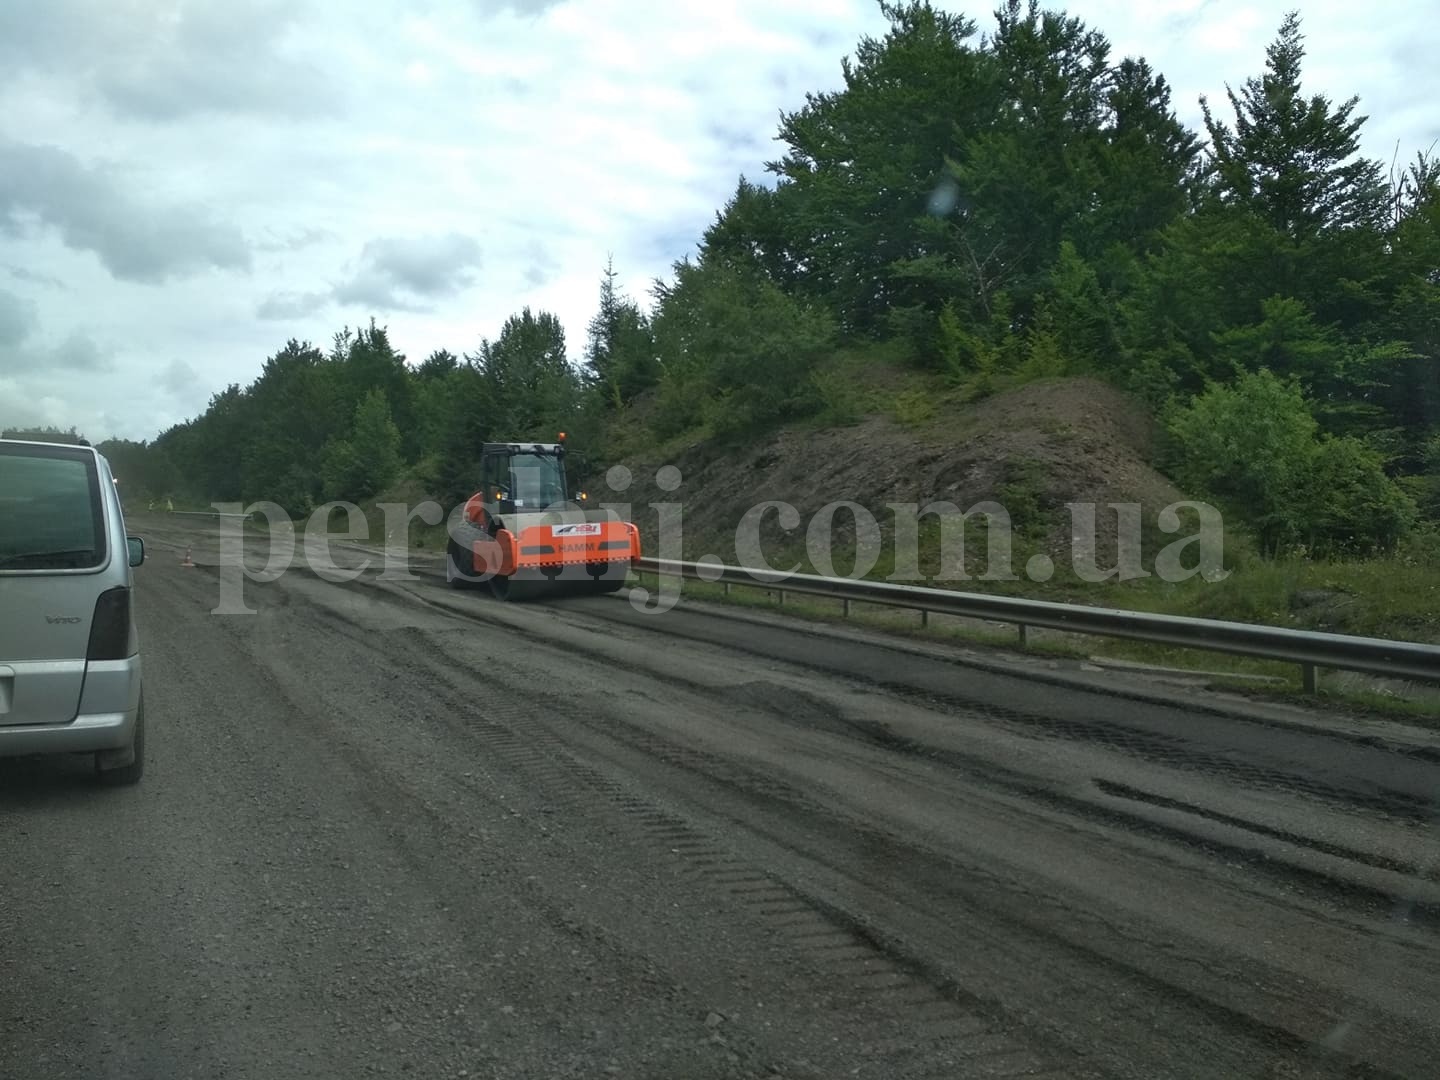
989,209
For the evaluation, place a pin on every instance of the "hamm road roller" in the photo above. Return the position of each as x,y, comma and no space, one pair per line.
523,536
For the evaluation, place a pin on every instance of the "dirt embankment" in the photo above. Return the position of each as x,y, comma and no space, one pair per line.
1034,450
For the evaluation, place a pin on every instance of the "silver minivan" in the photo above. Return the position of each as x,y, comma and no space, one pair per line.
69,652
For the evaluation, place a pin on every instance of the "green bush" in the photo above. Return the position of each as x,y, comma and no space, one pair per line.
1024,497
679,406
1254,446
1044,357
842,401
735,340
1355,509
1426,488
913,408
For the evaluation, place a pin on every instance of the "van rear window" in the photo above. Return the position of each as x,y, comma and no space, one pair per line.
50,509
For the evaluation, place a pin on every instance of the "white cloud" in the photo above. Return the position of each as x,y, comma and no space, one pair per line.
1201,45
77,351
423,267
179,378
170,59
17,319
290,305
93,209
392,274
188,184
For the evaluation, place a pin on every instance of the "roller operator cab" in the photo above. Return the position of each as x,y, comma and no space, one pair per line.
523,536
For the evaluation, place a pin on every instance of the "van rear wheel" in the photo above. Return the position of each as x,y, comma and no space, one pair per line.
134,768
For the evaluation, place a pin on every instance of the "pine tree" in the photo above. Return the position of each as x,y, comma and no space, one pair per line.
600,340
1294,160
619,350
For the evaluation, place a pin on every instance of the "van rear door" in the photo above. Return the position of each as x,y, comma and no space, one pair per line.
53,548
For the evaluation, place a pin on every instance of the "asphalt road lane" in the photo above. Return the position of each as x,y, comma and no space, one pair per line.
390,829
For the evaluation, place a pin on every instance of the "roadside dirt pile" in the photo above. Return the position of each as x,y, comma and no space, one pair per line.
1033,450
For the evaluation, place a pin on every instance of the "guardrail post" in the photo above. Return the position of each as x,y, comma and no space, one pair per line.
782,596
845,607
1309,680
924,617
1024,637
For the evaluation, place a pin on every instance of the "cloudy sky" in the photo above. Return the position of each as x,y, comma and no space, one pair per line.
187,184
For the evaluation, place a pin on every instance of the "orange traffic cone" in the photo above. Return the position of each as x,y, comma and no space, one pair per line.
187,561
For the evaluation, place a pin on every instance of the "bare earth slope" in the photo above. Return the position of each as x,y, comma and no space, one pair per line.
1034,449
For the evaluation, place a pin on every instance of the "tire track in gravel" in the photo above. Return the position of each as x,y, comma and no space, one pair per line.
1365,895
314,895
1279,1042
1400,783
775,813
912,1026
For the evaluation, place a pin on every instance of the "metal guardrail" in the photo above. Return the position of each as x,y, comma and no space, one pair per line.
1308,648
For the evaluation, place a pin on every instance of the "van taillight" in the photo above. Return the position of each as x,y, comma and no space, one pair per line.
110,629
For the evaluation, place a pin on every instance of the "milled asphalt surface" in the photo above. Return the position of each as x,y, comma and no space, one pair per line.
389,828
